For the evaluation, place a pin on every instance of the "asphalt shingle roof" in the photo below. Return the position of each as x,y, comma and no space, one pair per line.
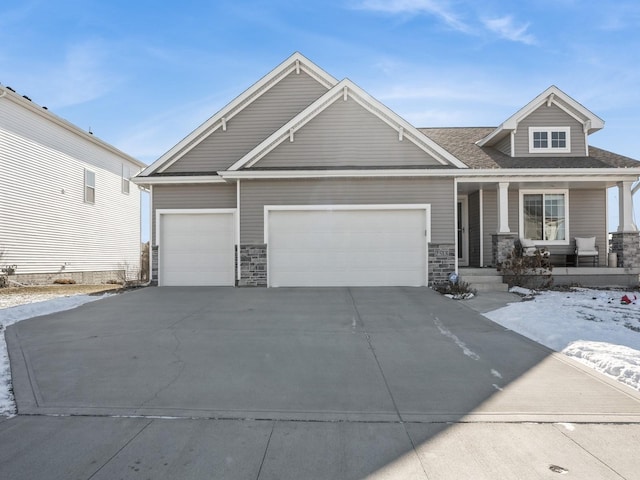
460,141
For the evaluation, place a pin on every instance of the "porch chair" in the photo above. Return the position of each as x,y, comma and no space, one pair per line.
586,247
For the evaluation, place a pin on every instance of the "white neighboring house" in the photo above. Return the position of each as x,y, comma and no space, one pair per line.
67,207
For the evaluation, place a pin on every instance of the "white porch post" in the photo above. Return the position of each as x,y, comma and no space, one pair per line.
625,208
503,207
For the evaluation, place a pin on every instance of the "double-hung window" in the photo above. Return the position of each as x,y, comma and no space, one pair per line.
549,139
126,175
89,186
544,216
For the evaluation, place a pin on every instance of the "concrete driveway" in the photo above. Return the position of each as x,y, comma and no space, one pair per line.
304,383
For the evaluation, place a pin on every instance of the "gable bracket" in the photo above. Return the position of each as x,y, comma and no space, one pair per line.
224,124
291,132
345,93
550,99
400,134
297,67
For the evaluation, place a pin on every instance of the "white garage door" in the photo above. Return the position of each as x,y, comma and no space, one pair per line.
347,247
196,249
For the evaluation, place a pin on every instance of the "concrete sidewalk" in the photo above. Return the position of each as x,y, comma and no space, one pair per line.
304,383
130,448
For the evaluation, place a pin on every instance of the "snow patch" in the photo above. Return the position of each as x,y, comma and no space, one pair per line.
568,426
522,291
496,373
617,361
596,327
497,387
447,333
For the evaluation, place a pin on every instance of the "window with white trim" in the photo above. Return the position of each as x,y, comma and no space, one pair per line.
126,175
89,186
544,216
549,139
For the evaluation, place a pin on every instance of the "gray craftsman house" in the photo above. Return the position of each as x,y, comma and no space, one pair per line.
304,180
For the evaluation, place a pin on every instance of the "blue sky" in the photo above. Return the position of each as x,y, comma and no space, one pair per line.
143,74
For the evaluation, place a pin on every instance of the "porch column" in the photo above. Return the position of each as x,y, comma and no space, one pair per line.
503,208
625,205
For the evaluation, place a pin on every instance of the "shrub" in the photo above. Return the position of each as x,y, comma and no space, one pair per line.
531,271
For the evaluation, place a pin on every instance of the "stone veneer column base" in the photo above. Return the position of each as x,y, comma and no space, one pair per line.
442,261
154,265
501,246
627,246
253,265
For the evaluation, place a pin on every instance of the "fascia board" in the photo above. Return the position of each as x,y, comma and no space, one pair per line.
366,101
462,175
295,61
178,180
512,122
61,122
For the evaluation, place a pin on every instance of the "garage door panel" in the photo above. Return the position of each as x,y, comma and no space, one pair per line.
347,247
197,249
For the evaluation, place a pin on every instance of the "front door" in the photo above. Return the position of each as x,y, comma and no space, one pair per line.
463,231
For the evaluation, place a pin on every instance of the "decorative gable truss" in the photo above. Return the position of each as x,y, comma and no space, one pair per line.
297,63
345,91
553,137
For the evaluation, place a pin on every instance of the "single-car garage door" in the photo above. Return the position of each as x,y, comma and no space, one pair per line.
347,246
196,249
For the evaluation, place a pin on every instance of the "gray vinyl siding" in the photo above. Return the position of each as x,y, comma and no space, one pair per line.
587,214
474,229
252,125
255,194
587,218
346,134
504,145
191,196
550,117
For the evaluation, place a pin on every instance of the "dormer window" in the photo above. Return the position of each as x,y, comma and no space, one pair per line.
549,140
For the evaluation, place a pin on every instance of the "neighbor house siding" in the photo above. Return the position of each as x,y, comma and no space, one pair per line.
253,124
346,134
504,145
45,225
191,197
474,229
551,116
255,194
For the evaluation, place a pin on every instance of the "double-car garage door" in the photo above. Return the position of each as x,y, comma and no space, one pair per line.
306,246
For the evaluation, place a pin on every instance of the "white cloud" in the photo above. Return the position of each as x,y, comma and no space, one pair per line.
506,28
437,8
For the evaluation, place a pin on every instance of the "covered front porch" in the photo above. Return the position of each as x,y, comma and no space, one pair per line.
494,216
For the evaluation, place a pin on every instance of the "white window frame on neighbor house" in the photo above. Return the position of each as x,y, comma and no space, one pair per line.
89,186
550,131
544,193
126,175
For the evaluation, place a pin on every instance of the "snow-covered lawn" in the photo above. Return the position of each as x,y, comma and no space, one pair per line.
21,307
592,326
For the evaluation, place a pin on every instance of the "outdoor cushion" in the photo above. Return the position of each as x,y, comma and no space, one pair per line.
586,246
527,243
